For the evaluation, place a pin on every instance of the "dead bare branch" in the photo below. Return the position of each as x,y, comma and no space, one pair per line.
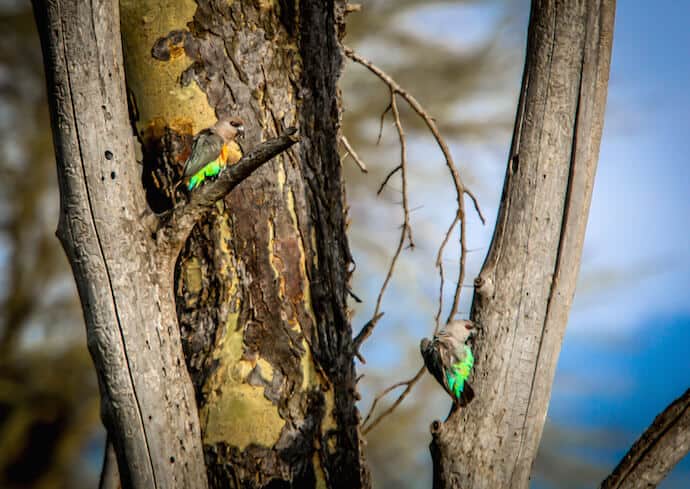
657,451
388,177
439,265
407,228
406,231
383,116
364,334
366,428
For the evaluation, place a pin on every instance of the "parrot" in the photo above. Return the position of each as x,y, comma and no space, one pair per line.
211,150
448,357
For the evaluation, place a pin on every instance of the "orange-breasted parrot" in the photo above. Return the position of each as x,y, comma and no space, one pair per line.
212,149
449,358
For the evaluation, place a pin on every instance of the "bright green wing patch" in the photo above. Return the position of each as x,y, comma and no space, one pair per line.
210,170
459,373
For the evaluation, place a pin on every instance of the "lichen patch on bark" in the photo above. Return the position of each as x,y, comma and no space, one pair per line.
155,83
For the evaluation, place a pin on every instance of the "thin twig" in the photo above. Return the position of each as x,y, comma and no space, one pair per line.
388,177
460,190
405,233
351,152
461,272
366,428
366,330
383,116
363,334
403,170
439,265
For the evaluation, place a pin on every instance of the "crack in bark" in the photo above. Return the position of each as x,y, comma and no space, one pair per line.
98,238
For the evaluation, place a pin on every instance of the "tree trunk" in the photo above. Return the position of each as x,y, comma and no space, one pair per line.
524,291
125,286
260,287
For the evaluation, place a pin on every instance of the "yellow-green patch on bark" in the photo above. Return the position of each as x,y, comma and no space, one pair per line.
275,261
192,279
156,84
235,412
306,289
241,416
281,176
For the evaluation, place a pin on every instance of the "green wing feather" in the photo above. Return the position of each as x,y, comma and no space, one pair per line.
457,375
206,149
450,368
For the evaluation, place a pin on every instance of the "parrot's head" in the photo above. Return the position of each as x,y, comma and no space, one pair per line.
229,128
460,331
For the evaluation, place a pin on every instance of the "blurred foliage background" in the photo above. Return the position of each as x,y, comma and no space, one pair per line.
462,59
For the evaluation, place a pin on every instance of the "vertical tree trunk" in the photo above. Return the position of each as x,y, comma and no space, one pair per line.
125,286
524,291
261,284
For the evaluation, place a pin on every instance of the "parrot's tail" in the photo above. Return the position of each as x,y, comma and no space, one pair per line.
467,395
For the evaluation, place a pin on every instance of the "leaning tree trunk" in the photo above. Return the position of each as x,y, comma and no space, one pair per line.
260,287
525,288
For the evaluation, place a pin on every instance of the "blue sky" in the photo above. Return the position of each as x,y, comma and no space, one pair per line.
625,355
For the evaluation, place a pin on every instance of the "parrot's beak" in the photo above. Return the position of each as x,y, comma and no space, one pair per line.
240,131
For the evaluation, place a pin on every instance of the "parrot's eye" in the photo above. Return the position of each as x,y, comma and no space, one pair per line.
235,124
468,326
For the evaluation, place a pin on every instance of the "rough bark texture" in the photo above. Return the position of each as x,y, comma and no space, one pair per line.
261,283
657,451
524,291
147,399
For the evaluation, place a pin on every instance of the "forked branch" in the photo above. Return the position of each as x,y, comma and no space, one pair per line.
405,232
409,384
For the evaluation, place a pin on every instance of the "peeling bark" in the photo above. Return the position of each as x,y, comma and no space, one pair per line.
524,291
